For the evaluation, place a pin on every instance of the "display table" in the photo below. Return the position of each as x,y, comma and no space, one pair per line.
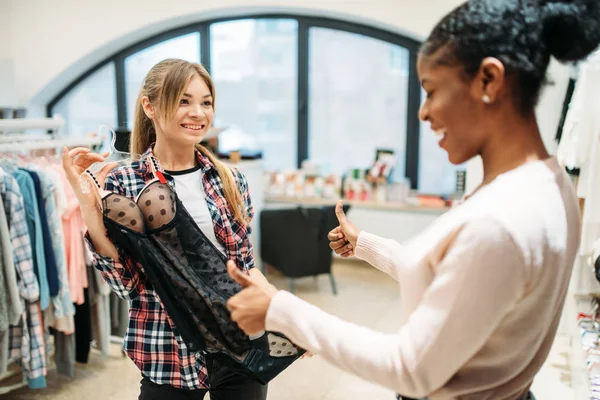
398,221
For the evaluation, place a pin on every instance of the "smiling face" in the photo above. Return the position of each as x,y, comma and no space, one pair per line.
192,117
185,120
454,108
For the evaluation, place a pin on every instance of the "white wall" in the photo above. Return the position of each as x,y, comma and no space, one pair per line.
8,95
51,43
55,41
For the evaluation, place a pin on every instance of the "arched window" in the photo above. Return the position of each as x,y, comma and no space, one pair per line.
299,87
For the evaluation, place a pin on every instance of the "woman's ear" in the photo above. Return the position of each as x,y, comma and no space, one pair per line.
489,81
147,106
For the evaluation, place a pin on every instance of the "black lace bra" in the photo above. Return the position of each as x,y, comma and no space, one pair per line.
189,274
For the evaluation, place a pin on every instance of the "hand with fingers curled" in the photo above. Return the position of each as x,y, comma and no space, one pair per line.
249,307
343,238
75,162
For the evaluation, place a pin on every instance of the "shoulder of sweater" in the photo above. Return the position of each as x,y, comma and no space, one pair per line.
530,210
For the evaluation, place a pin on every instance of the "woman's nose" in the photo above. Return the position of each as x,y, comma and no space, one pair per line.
424,112
196,110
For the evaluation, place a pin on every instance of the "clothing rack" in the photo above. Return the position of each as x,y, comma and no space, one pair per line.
14,139
29,144
55,123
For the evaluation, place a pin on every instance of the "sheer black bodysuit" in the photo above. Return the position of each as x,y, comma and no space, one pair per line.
190,276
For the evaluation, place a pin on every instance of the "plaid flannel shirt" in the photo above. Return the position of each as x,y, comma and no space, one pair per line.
27,339
152,341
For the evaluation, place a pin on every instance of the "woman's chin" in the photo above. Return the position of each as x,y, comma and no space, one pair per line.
456,158
193,137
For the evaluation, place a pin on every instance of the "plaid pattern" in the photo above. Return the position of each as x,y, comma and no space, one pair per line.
27,345
19,236
152,340
26,339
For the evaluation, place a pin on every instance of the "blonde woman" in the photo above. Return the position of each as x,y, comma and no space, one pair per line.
173,112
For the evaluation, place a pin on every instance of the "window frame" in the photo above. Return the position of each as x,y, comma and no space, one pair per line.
304,25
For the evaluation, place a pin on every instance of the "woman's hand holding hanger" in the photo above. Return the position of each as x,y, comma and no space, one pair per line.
75,162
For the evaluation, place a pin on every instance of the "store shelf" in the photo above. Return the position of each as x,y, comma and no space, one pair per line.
18,125
580,378
28,145
359,204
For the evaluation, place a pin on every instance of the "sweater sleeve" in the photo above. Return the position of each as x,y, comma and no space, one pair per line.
379,252
444,332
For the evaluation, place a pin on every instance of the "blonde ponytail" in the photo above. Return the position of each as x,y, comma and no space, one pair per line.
230,188
143,133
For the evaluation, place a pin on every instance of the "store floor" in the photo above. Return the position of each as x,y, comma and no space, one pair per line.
362,293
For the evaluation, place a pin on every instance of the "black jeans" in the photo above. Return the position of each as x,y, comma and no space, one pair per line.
224,385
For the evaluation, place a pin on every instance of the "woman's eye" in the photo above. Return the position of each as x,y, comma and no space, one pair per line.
184,101
208,103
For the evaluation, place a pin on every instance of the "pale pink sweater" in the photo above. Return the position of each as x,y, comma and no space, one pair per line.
482,290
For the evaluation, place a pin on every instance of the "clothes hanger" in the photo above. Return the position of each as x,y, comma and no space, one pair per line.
114,156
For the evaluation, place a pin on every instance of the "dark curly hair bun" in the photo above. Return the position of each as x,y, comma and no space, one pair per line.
571,29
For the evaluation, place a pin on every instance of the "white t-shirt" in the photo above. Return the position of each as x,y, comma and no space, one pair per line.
190,190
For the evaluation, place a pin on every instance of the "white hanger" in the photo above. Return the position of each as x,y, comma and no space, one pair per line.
124,158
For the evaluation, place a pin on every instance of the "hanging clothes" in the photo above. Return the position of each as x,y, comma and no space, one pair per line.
580,148
26,339
73,229
99,293
43,272
4,291
565,108
65,353
52,188
35,233
13,298
15,304
19,236
4,319
83,329
51,268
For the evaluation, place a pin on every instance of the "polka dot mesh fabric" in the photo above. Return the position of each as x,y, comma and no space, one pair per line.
123,211
190,276
157,203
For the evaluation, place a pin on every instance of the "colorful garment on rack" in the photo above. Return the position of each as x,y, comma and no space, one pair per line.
73,230
19,236
36,239
151,341
27,345
4,319
51,188
51,269
26,339
14,302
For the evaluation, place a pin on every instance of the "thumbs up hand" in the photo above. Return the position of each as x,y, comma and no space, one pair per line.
249,307
342,239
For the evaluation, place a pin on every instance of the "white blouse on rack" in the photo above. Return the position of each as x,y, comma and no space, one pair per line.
580,148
